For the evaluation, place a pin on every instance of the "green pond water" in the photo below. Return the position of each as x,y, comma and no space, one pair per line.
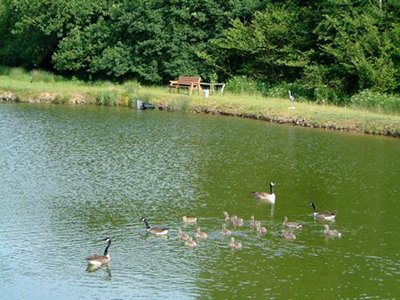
71,176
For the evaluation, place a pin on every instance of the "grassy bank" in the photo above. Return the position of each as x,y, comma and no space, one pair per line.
44,88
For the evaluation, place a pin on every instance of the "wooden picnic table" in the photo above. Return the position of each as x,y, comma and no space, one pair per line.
190,83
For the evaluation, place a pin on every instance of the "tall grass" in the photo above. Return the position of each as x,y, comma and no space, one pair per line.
181,104
106,98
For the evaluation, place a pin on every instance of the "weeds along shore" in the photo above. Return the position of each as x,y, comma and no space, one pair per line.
254,106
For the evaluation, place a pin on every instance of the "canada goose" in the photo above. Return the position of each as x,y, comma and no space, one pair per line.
227,218
254,223
326,215
155,230
99,260
182,235
235,245
200,235
190,243
333,233
225,231
261,229
288,235
189,220
291,224
237,221
269,197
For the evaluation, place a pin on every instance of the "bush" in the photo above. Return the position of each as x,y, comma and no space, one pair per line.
131,87
18,73
43,76
242,84
5,71
374,100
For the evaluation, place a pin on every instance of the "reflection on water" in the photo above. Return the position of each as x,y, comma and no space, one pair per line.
72,175
104,269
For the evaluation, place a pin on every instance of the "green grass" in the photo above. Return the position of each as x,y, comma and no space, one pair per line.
359,119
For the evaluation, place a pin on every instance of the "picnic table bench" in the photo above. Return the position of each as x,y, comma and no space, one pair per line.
190,83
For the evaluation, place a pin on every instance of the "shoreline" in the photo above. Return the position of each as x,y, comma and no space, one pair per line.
269,110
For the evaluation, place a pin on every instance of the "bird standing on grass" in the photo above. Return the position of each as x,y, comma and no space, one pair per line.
291,98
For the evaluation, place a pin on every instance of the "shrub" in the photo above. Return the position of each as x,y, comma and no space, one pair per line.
43,76
374,100
5,71
242,84
131,87
18,73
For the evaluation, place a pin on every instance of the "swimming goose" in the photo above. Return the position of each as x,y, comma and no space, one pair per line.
182,235
189,220
288,235
235,245
190,243
269,197
200,235
225,231
237,221
291,224
254,223
326,215
99,260
155,230
333,233
261,229
227,218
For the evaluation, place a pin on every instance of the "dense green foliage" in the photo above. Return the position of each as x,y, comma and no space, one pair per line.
323,50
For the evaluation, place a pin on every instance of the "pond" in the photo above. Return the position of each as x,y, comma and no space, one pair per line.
72,176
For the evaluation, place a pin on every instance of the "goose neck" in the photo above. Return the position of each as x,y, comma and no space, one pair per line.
313,206
147,224
106,250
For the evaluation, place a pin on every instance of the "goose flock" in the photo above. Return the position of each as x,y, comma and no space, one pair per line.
287,233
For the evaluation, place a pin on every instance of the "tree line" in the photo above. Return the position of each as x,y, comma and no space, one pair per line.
328,49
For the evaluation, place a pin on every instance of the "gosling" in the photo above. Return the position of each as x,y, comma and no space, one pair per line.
235,245
189,220
182,235
254,223
332,233
200,234
260,229
225,231
190,243
288,235
291,224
